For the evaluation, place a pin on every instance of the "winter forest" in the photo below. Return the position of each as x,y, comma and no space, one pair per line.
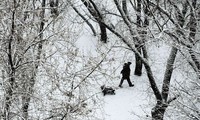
56,54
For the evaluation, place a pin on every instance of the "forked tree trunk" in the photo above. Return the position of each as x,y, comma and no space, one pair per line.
158,111
94,11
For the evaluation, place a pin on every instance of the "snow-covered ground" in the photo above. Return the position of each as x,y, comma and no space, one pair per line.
129,103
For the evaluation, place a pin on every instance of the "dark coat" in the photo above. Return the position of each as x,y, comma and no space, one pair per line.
126,71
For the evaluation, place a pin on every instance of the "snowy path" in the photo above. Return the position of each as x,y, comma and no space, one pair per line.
129,103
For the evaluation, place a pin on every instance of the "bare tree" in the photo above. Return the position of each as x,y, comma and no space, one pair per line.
138,62
161,95
192,34
11,69
176,18
23,53
39,58
84,18
96,13
29,86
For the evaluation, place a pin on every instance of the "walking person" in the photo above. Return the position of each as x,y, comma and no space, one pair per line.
126,74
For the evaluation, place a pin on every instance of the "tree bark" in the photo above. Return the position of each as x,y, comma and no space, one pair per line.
168,73
101,18
192,34
150,75
124,7
103,33
138,62
93,9
11,74
158,111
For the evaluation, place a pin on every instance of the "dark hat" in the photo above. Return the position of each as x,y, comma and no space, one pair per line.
129,63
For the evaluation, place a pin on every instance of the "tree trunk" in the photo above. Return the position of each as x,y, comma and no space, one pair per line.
99,17
168,73
25,106
158,111
11,74
93,9
103,33
124,7
138,62
192,34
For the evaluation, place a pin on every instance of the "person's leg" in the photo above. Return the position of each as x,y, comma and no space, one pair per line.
121,82
129,82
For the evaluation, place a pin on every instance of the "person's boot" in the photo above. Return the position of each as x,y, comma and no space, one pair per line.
131,85
120,86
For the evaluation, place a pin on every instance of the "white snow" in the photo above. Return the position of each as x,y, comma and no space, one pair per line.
129,103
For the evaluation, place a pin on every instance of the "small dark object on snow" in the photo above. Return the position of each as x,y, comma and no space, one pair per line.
107,90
